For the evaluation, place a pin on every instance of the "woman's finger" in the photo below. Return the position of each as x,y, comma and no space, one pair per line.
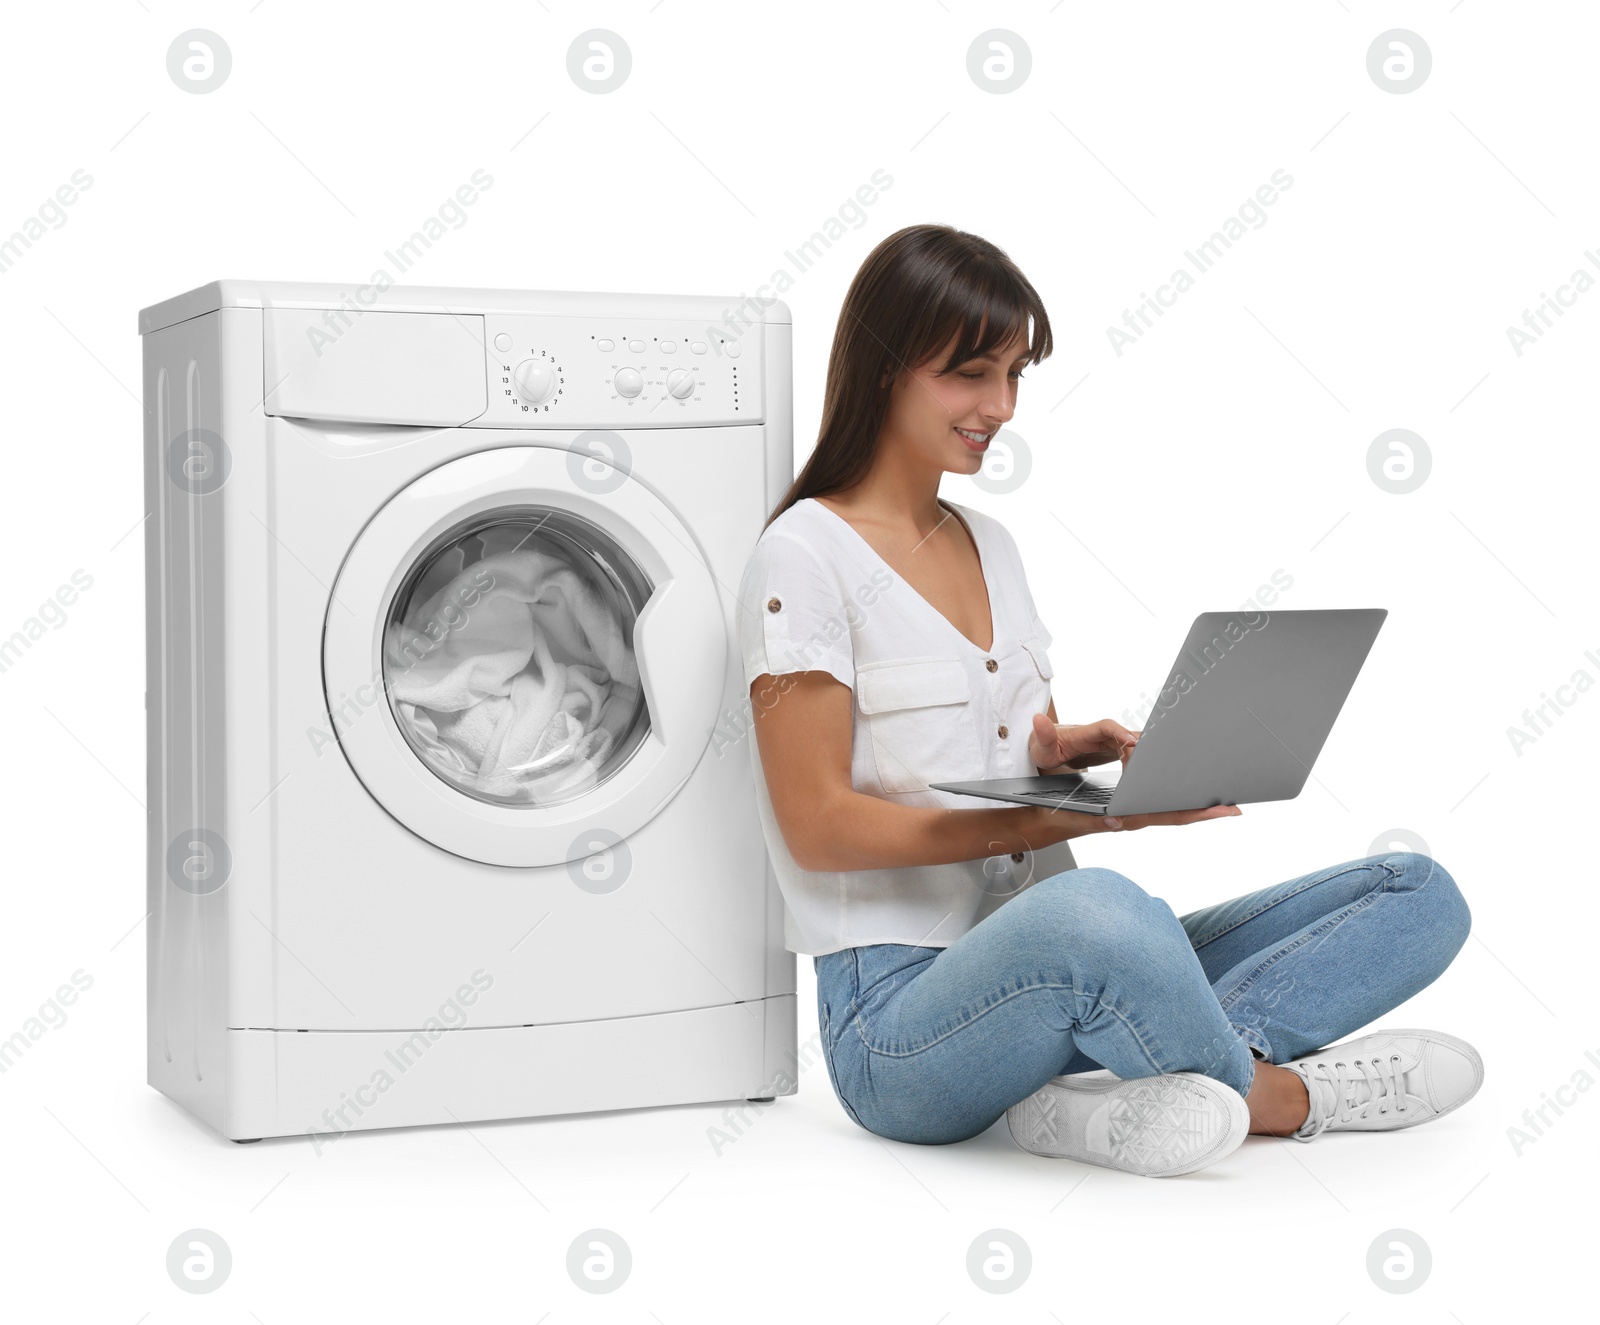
1112,734
1091,759
1099,742
1046,741
1133,822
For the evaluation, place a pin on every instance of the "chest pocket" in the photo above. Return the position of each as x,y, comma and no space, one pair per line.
1041,660
915,711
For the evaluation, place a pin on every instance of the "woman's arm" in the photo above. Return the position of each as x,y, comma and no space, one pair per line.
802,725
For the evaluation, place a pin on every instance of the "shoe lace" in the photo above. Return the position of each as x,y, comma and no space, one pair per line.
1377,1079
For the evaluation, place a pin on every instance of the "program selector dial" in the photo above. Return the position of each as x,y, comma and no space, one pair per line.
535,379
680,382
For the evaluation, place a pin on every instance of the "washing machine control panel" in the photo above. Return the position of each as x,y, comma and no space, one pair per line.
581,372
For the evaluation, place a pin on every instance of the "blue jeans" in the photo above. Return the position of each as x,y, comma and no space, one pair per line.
1086,970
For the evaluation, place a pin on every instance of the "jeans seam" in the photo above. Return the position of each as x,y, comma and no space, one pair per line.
892,979
833,1071
1333,921
1200,943
1253,1039
1100,1002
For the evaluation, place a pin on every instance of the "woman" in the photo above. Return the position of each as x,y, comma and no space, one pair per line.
965,966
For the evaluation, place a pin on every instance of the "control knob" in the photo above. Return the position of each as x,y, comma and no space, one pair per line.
535,379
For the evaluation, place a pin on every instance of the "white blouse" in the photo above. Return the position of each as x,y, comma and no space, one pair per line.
930,706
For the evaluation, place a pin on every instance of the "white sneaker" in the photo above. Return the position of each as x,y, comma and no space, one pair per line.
1386,1080
1155,1126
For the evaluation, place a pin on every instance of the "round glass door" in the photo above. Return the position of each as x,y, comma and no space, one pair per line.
545,663
508,656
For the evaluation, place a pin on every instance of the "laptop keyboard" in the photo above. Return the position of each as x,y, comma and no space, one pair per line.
1090,793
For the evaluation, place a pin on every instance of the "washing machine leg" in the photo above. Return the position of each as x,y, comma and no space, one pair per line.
245,1141
759,1099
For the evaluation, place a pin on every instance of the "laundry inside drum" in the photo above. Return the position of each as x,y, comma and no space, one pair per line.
508,656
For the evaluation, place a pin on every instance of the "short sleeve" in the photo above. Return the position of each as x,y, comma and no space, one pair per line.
793,616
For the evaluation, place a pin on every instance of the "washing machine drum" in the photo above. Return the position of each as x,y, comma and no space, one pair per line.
508,657
549,653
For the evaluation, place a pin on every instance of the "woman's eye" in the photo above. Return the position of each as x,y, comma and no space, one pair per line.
971,377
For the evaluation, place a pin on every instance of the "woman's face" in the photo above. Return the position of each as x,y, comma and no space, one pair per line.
949,419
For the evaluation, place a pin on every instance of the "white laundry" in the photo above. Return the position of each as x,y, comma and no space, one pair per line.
513,673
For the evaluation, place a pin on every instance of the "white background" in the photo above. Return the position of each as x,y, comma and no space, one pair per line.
1228,443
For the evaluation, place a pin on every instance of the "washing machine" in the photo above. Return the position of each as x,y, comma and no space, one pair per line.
451,806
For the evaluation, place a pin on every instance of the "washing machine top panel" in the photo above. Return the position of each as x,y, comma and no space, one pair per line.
502,359
510,370
208,298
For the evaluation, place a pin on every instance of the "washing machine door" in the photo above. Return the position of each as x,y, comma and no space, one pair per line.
524,656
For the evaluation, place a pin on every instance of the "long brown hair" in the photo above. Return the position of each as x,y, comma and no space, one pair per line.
918,288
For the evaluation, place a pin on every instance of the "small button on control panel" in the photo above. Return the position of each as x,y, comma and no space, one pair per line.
552,371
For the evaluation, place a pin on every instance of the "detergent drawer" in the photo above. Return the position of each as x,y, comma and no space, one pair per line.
369,367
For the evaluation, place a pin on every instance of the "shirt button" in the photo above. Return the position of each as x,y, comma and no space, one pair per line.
1017,856
991,664
773,604
1002,731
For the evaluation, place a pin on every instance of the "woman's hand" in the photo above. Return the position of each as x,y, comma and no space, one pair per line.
1045,825
1055,749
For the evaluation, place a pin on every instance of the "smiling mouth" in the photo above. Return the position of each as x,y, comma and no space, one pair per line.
976,440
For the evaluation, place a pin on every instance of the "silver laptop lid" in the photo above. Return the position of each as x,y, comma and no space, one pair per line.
1246,708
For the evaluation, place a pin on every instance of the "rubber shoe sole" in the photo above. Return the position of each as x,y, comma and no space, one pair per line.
1157,1127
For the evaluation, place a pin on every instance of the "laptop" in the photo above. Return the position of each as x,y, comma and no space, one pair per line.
1241,717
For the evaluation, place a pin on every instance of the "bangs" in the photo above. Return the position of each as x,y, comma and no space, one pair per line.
983,307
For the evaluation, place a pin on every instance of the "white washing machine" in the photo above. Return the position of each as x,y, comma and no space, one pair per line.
451,807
